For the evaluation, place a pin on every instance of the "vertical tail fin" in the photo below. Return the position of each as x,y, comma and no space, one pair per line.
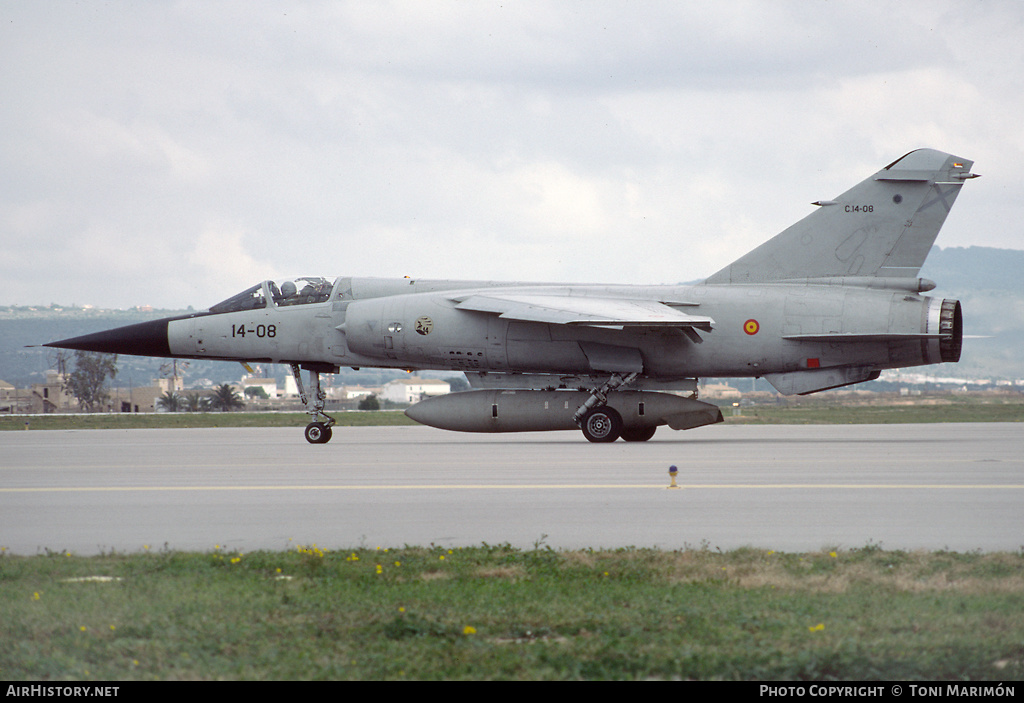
884,226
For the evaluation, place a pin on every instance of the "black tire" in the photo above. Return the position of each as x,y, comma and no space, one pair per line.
601,424
317,433
638,434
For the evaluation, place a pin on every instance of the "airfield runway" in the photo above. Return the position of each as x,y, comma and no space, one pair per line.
788,488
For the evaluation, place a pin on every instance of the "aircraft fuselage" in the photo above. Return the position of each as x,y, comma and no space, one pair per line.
758,330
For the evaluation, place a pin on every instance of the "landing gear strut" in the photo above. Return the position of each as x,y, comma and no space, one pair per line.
317,431
599,422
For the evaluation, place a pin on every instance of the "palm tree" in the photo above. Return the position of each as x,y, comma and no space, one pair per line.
170,401
194,402
225,398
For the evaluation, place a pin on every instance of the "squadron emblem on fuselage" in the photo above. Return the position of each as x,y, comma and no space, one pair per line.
424,325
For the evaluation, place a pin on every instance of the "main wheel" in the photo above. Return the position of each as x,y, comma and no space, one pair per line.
602,424
638,434
318,433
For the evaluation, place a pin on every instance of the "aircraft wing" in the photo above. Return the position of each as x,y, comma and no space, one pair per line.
614,313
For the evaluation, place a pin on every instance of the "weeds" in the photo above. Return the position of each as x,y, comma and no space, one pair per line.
495,612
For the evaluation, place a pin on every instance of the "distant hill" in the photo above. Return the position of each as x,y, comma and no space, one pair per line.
22,327
976,268
989,283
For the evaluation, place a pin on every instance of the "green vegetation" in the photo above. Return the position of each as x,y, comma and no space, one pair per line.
88,382
840,410
495,612
225,399
129,421
822,410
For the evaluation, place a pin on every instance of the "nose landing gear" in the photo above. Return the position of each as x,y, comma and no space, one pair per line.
318,431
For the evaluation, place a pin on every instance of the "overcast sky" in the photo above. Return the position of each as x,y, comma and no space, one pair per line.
174,153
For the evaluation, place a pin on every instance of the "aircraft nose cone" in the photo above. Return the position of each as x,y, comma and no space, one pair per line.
143,339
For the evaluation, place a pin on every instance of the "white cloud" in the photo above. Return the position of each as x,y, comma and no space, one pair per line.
603,141
222,261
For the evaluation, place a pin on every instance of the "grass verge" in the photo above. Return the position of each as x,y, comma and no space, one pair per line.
495,612
826,410
832,413
129,421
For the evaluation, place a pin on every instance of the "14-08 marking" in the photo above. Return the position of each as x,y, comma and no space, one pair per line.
259,331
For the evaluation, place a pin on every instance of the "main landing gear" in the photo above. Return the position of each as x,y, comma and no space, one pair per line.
318,431
601,423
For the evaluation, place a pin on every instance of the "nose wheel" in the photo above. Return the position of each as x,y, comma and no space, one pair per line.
318,433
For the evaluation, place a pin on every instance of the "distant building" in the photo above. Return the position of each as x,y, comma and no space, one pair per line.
354,392
10,398
718,390
49,396
411,390
290,389
173,384
269,385
140,399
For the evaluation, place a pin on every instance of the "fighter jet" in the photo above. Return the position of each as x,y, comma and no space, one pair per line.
828,302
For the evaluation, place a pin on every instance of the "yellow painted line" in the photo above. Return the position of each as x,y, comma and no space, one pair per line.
517,486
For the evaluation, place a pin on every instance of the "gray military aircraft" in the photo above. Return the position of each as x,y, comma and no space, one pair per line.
828,302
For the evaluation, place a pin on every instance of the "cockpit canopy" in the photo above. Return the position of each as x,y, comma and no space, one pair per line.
304,290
